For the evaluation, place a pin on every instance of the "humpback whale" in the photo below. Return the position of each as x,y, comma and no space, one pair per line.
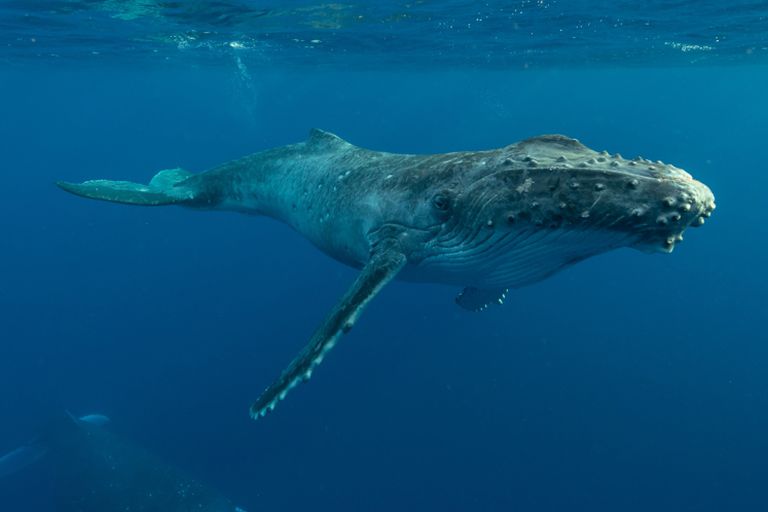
97,471
486,221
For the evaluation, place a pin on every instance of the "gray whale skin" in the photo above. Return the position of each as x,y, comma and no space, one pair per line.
487,221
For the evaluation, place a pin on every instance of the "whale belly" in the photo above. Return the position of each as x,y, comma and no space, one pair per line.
512,259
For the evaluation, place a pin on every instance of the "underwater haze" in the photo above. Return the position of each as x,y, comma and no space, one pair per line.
629,382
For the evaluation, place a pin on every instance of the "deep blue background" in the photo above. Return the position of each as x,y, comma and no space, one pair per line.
629,382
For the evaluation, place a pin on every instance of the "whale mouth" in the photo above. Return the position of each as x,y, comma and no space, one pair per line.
525,222
690,207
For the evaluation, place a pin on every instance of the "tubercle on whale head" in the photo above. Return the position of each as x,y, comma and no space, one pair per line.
554,182
672,206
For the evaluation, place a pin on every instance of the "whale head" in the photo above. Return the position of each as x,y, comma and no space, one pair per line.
516,215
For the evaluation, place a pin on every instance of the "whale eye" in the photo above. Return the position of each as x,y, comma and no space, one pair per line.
441,201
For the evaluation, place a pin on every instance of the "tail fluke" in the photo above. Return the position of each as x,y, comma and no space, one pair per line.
167,187
20,458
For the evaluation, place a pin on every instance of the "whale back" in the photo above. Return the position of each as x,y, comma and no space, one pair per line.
322,140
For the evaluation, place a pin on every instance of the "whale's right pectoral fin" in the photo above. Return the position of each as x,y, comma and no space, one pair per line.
479,299
385,262
166,187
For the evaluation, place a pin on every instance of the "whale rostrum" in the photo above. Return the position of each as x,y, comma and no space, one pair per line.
487,221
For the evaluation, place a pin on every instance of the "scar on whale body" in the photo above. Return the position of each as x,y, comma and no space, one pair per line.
487,221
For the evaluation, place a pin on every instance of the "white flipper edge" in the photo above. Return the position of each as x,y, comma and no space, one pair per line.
385,262
477,299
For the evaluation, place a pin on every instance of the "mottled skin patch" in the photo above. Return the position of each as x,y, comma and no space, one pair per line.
488,220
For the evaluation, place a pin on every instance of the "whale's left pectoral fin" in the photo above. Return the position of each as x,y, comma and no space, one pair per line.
479,299
385,262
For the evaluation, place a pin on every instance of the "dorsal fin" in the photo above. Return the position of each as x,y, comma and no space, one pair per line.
318,137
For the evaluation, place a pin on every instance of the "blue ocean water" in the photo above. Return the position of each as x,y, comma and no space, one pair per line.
628,382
